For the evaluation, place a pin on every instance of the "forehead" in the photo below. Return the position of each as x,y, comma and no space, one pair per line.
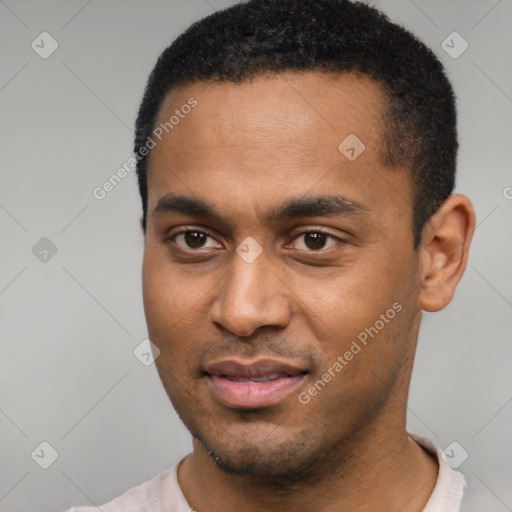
276,134
278,109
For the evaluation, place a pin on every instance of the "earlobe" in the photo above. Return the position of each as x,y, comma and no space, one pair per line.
444,252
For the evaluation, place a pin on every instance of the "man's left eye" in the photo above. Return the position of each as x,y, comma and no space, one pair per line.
315,240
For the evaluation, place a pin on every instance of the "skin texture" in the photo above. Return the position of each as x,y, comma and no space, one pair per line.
246,149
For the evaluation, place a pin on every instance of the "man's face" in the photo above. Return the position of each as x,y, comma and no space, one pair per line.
245,335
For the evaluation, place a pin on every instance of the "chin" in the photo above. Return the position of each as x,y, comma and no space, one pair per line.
289,461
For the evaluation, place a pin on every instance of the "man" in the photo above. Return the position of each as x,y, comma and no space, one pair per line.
296,161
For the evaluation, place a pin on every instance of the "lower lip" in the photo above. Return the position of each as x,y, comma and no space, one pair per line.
252,395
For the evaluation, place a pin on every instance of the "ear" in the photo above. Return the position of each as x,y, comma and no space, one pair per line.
444,252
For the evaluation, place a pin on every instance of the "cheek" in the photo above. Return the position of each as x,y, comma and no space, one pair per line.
174,306
358,314
361,365
342,304
167,293
162,305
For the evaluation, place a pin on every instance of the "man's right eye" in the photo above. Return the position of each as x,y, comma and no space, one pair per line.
193,239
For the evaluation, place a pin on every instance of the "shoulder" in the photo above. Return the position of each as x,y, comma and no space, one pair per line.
161,493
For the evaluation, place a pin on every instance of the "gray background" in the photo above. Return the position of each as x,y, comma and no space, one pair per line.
68,375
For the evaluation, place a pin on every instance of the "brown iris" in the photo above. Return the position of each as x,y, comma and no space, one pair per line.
315,240
195,239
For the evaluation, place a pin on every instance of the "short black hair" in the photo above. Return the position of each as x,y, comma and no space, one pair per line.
258,37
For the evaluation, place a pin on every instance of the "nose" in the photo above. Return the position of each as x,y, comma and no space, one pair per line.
250,296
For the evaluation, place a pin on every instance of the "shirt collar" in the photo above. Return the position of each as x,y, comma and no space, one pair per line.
449,488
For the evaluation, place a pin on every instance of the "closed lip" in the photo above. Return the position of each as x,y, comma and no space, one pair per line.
240,368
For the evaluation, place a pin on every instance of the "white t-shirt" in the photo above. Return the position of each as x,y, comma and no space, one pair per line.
453,492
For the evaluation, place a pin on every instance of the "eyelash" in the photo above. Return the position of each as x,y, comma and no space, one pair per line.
171,238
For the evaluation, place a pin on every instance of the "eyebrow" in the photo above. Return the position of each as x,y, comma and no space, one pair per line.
307,206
